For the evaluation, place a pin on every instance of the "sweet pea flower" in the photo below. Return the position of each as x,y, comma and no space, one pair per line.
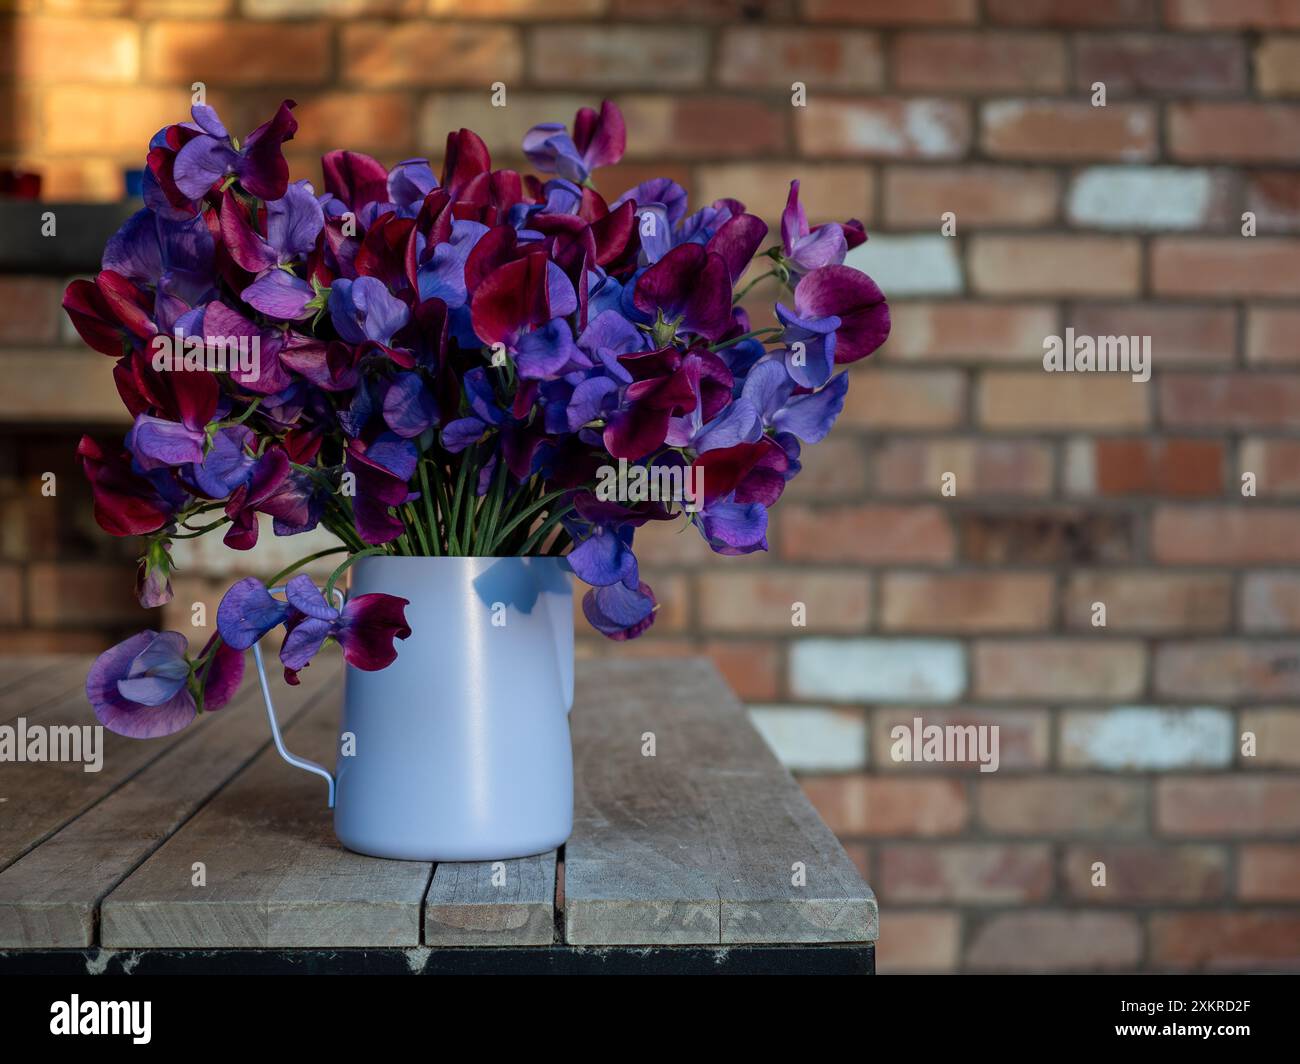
598,140
141,687
258,163
805,249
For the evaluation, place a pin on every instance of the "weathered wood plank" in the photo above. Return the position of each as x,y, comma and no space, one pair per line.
698,843
37,798
31,682
505,903
50,897
275,874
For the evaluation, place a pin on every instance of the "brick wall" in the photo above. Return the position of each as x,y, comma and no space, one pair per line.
1119,744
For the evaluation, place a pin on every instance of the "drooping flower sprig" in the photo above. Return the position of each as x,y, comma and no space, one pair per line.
434,364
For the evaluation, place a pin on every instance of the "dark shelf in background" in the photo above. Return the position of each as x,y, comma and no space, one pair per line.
81,231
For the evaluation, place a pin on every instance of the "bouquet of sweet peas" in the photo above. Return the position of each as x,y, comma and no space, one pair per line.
439,364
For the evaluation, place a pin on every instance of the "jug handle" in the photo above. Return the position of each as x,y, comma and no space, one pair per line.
293,759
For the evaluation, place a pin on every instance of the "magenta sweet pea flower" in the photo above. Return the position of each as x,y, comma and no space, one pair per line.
690,288
852,297
365,628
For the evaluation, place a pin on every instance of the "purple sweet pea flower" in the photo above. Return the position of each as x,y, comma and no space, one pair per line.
442,275
140,688
365,310
598,140
810,350
731,527
409,407
156,443
247,612
806,249
549,351
809,416
382,471
618,611
408,183
258,163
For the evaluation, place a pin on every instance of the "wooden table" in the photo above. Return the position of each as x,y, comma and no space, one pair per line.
684,861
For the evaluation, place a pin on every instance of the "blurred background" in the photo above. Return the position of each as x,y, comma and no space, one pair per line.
1120,744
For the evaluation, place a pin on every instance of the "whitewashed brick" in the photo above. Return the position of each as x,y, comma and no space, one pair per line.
1147,197
910,265
813,738
878,670
1147,737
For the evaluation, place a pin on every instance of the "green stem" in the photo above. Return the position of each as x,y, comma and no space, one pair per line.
539,536
527,513
744,336
301,562
761,277
430,510
344,566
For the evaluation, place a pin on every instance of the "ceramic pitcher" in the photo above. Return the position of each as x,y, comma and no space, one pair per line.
459,750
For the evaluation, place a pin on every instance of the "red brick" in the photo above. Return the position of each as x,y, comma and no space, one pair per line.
1180,335
1268,873
513,9
1138,601
868,805
398,55
1139,466
1059,668
962,331
708,126
1061,402
63,51
82,593
1227,669
1040,129
1226,266
966,602
1230,401
1146,64
1023,736
1275,465
1063,806
1273,335
379,122
1143,872
892,12
1073,12
1225,941
1277,737
866,533
1239,14
1217,805
1274,197
980,61
1270,602
29,310
1249,534
1055,265
978,195
762,601
616,56
1046,536
775,57
919,942
1236,132
881,399
671,543
1055,942
752,668
969,873
234,53
883,127
1277,66
983,468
